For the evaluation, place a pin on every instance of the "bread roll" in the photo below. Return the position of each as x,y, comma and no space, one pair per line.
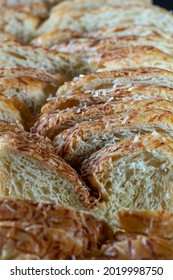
30,169
16,55
135,174
52,123
108,80
80,141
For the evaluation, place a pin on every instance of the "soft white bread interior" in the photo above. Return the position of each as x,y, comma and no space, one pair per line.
77,143
30,169
16,55
134,174
107,80
21,24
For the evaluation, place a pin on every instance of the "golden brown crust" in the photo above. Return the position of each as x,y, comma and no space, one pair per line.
37,242
8,112
113,79
158,223
136,247
78,224
86,47
54,122
130,57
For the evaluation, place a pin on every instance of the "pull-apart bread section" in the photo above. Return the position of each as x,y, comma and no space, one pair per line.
107,16
76,232
30,169
110,80
52,123
134,174
15,55
81,140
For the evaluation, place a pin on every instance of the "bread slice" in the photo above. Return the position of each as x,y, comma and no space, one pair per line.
130,30
120,94
81,225
8,111
30,169
133,174
135,247
149,222
16,55
106,17
130,57
109,80
21,24
86,47
52,123
78,142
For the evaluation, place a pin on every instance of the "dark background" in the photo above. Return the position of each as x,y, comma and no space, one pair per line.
168,4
